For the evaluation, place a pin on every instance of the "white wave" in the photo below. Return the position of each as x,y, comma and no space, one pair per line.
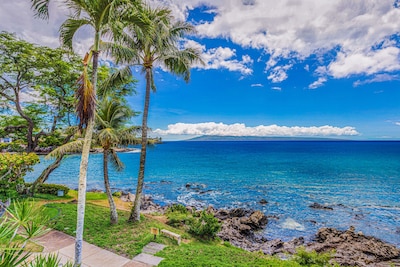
289,223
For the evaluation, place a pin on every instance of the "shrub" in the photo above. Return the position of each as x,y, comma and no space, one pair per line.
177,215
51,189
206,226
117,194
312,258
177,208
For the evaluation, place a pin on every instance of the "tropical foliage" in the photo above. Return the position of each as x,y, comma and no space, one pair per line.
13,168
36,90
24,221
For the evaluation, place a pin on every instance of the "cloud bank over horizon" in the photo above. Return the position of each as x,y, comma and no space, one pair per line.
240,129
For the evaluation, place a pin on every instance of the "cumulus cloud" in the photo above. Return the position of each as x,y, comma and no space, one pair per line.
346,64
317,83
279,73
17,17
222,58
281,29
360,30
240,129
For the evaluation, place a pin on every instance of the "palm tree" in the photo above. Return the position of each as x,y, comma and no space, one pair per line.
157,44
111,118
102,16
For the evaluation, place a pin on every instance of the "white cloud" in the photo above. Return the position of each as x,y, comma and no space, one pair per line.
276,88
257,85
279,73
282,29
397,123
317,83
297,29
222,58
346,64
240,129
377,78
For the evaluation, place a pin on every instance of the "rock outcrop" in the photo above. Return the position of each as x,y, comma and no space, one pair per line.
353,249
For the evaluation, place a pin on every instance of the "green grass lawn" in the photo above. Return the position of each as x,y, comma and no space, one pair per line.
129,239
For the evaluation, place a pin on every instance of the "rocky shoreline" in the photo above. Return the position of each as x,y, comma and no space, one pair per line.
242,228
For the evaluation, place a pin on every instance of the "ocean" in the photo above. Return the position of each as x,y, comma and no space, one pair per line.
360,181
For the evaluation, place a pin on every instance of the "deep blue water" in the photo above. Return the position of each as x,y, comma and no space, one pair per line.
359,180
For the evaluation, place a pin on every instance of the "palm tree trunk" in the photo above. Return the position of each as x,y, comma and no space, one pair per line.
113,208
45,174
135,212
82,193
84,165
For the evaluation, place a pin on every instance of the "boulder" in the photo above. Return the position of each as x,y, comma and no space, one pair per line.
353,249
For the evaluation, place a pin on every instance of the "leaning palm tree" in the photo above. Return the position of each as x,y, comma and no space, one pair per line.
111,118
157,44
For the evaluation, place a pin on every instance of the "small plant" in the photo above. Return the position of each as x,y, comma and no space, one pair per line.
177,215
312,258
206,226
177,208
51,260
24,221
117,194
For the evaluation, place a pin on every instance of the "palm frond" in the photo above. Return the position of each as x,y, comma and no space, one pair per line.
120,52
69,28
180,61
71,147
119,78
41,7
116,161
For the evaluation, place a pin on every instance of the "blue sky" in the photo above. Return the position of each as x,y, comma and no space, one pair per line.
292,68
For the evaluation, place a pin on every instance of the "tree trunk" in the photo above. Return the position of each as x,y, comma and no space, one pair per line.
84,165
113,208
31,125
45,174
135,212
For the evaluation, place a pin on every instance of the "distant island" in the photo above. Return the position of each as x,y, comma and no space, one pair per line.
260,138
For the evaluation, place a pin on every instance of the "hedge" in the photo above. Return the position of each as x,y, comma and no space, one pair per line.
51,189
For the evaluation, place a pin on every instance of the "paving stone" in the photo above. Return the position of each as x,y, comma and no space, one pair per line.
133,263
54,240
148,259
105,258
152,248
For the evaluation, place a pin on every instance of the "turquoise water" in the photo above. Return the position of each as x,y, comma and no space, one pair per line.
359,180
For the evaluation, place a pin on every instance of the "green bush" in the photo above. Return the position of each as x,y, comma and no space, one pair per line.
51,189
312,258
177,218
206,226
117,194
177,215
177,208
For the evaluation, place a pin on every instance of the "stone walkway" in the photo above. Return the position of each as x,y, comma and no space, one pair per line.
56,242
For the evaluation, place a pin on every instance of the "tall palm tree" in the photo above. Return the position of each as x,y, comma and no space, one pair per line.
102,16
111,118
157,44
